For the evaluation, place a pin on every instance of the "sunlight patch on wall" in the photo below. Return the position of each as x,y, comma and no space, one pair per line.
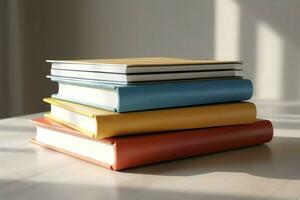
227,30
268,63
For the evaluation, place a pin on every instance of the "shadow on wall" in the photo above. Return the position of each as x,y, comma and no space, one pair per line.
265,34
30,39
269,42
36,31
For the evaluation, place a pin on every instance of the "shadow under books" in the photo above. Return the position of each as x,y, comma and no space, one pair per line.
17,128
286,125
28,189
16,150
277,159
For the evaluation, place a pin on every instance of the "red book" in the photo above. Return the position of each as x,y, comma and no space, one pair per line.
131,151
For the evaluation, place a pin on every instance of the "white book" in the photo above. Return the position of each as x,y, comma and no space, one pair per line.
133,78
143,65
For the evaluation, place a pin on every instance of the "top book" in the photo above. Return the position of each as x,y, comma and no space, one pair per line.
144,65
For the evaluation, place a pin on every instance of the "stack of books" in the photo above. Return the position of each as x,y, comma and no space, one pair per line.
123,113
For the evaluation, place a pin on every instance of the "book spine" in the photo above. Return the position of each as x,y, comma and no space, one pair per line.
189,93
149,149
175,119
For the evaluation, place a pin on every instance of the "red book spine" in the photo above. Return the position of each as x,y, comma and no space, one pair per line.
152,148
133,151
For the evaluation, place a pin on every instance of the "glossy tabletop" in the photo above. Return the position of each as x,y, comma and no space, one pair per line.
28,171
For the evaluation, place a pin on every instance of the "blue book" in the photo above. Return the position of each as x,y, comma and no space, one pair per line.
155,95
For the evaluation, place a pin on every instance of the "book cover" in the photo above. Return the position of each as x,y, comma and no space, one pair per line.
151,61
145,77
101,123
138,150
143,65
155,95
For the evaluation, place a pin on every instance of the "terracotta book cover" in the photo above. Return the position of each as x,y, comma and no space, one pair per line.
137,150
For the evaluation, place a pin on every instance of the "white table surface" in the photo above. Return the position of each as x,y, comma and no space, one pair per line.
28,171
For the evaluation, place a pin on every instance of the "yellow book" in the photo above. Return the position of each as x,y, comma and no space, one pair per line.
98,123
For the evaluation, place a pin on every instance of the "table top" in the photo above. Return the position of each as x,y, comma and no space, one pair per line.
29,171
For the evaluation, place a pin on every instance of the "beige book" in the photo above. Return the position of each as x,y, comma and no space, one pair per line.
144,65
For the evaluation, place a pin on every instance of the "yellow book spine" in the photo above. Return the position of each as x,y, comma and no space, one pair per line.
176,119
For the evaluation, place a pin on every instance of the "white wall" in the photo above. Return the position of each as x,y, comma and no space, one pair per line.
263,33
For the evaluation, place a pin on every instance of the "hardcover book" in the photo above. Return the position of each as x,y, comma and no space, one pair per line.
127,98
119,153
149,77
143,65
135,70
99,123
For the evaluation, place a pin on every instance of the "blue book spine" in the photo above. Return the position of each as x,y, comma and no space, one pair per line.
178,94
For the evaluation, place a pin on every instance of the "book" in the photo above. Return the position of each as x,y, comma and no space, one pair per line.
99,123
143,65
127,98
148,77
119,153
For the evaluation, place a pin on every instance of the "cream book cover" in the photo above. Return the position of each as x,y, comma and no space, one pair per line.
144,65
152,61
